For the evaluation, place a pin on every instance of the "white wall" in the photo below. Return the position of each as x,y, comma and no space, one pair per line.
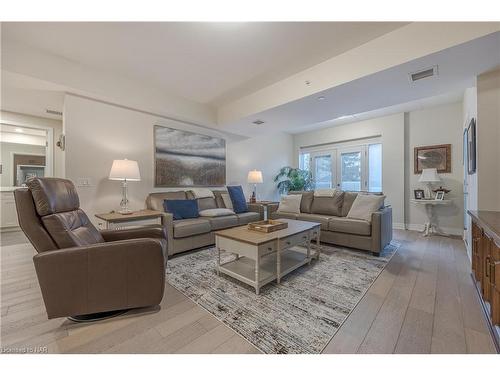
488,140
469,111
434,126
97,133
265,153
391,131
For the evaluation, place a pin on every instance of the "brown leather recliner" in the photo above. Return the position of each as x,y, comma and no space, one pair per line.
86,274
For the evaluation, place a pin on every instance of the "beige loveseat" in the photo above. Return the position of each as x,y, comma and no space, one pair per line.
336,228
190,234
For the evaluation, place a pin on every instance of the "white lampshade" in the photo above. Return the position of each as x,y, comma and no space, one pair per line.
255,177
429,175
125,170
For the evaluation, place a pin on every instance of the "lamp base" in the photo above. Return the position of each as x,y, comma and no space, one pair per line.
125,211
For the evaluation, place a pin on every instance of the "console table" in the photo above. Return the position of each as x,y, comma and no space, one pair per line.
429,204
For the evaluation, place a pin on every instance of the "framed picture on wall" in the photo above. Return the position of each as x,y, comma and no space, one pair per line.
437,156
471,147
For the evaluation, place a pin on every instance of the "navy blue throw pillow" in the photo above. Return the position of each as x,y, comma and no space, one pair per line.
238,199
181,208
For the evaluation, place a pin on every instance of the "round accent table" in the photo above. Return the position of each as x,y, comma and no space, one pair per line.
429,204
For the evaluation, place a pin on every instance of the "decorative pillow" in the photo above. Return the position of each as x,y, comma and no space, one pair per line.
290,204
202,193
325,192
331,206
306,202
365,205
227,200
181,208
238,199
214,212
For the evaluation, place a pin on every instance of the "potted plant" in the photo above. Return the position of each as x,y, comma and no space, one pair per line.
291,179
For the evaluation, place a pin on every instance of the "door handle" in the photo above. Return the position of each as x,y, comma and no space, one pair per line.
487,267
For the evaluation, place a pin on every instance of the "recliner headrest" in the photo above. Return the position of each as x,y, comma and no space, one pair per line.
53,195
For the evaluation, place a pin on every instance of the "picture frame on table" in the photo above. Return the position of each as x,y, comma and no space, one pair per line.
418,193
439,196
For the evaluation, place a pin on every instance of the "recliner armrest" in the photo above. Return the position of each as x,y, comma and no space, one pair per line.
101,277
155,231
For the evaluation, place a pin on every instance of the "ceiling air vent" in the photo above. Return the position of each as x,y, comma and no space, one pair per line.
53,112
424,73
258,122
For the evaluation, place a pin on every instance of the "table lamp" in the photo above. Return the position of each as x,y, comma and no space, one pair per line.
124,171
254,177
428,176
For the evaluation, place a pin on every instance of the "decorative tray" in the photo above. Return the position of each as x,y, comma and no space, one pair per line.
267,226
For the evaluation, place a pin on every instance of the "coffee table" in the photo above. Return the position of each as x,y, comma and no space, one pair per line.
264,257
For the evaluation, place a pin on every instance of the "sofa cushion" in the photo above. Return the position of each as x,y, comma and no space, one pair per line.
365,205
290,203
222,222
218,198
215,212
227,200
306,202
191,227
202,193
322,219
181,208
351,226
154,201
331,206
349,197
206,203
238,199
284,215
248,217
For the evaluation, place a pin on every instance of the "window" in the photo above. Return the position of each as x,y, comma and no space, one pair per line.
305,161
375,167
351,168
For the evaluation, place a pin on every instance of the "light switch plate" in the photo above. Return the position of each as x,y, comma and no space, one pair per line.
83,182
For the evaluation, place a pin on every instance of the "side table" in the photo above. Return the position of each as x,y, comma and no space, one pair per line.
429,204
115,220
264,205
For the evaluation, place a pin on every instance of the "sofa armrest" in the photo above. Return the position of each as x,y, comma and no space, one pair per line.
101,277
255,207
381,229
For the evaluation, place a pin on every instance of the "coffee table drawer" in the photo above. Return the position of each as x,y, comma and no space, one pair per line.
267,248
293,240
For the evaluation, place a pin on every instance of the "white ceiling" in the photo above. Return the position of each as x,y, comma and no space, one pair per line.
204,62
458,66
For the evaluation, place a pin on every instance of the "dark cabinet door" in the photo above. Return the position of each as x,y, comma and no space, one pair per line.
495,282
486,265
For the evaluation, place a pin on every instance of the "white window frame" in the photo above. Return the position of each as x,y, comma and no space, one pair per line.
336,150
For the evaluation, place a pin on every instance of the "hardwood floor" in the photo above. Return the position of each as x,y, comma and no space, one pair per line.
423,302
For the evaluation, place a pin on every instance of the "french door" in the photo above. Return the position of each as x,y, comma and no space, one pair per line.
323,169
345,168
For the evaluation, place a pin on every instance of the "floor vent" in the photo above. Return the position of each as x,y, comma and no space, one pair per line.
424,73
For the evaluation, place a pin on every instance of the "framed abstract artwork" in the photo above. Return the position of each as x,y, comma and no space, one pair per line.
185,159
438,156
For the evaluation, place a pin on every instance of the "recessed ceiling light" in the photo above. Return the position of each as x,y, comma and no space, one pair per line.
321,98
258,122
19,130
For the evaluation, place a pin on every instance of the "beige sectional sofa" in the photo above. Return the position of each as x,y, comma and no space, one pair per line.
336,228
190,234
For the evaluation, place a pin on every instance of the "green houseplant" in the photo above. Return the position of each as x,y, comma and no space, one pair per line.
290,179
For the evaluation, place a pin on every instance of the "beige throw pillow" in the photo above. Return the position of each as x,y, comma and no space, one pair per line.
365,205
227,200
290,204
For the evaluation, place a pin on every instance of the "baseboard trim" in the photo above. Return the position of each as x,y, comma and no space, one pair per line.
420,228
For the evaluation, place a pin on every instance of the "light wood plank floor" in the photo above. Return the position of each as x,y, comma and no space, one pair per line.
423,302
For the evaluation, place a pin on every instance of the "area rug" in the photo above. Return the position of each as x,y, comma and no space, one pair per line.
300,315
